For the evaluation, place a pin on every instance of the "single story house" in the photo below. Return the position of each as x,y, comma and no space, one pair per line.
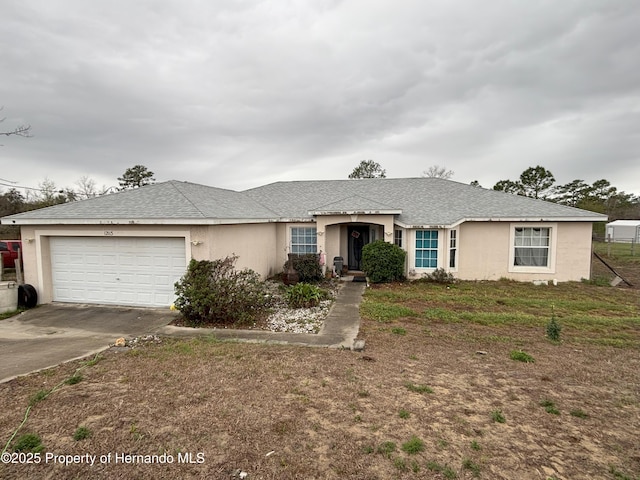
623,231
129,248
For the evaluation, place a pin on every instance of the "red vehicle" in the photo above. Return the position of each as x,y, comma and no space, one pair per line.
9,250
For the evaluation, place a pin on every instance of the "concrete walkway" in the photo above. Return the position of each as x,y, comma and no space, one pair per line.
339,330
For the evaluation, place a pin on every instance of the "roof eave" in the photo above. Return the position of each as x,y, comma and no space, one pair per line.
354,212
136,221
601,218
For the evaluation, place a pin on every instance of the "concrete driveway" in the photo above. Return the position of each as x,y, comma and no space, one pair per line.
56,333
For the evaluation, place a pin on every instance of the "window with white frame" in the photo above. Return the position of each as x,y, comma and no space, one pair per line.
453,249
531,246
426,249
397,237
304,240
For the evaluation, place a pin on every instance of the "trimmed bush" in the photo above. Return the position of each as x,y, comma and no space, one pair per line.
214,292
383,261
307,266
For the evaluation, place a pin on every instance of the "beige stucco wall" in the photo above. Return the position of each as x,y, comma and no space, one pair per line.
254,244
484,252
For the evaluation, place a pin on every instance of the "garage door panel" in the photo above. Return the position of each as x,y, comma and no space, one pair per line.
137,271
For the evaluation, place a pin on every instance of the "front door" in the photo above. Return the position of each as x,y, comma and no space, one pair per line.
358,238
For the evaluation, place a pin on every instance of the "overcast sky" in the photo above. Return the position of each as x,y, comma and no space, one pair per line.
240,94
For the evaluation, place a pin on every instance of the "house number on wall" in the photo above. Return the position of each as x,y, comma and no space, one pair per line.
108,233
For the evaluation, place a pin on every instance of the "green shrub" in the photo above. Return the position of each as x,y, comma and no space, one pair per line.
304,295
307,266
439,275
383,261
214,292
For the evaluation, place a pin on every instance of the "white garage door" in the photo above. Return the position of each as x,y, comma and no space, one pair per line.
137,271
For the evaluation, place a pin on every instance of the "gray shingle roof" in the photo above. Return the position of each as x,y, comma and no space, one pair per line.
416,201
163,201
423,201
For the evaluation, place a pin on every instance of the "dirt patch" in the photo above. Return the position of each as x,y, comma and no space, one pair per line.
222,410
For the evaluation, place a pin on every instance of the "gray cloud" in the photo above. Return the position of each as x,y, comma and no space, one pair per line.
238,94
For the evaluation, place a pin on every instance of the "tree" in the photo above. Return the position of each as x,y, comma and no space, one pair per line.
136,177
86,188
508,186
19,131
535,182
436,171
475,183
368,169
573,193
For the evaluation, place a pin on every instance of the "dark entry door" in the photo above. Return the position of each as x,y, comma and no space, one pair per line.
358,238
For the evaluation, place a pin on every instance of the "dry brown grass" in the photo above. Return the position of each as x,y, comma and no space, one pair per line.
284,412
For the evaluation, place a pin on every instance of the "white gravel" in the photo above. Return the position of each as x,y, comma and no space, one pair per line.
297,320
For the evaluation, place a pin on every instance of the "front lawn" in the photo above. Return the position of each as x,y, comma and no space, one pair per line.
456,382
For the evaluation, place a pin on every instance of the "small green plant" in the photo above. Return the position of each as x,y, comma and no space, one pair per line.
398,331
400,463
550,407
81,433
404,414
304,295
418,388
475,446
578,413
29,442
498,417
75,378
521,356
553,329
445,470
413,445
468,464
617,474
383,261
387,448
415,466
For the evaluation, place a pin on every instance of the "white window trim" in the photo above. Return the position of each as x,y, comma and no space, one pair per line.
553,246
457,232
410,236
290,228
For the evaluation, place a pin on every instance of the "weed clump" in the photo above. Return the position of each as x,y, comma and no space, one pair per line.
520,356
29,443
81,433
498,417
